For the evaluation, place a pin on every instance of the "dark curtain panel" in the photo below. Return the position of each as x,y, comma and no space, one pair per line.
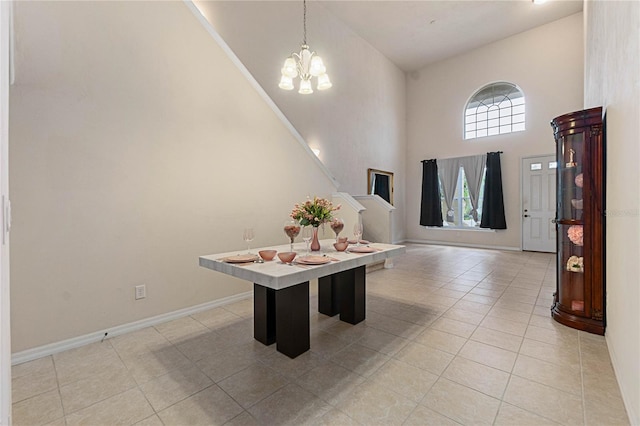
381,187
493,202
430,209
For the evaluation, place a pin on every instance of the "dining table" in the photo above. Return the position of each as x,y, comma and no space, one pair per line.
281,290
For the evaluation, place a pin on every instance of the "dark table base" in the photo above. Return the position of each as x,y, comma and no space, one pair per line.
282,316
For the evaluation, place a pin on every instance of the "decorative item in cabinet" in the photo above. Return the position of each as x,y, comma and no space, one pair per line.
580,221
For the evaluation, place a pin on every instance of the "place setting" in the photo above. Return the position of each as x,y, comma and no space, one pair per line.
248,235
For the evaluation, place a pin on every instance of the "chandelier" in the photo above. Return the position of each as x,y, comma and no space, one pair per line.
306,65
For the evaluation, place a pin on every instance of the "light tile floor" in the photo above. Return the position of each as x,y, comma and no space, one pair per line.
452,336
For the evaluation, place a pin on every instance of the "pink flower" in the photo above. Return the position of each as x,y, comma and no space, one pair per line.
576,234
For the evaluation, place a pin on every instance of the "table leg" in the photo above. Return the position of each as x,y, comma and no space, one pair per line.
328,296
343,293
352,294
292,319
264,314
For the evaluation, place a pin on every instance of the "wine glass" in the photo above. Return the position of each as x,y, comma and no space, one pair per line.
307,234
292,230
248,236
357,232
337,225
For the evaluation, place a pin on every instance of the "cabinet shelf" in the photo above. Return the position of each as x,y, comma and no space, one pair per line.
570,221
580,287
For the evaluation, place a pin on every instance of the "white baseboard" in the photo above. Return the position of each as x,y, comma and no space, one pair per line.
76,342
449,243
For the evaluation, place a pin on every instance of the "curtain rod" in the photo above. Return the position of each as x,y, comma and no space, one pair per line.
449,158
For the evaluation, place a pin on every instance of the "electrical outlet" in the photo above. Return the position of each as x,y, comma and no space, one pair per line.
141,292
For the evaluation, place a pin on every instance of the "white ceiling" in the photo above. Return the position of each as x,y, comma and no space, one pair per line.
413,34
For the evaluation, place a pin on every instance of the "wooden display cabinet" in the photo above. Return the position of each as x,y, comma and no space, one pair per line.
579,300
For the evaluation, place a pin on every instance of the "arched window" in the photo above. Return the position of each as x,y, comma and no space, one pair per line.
496,108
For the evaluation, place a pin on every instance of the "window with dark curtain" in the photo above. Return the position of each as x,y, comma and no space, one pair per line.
381,187
493,204
430,208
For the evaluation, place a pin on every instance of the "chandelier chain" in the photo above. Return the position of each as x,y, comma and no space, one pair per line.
304,21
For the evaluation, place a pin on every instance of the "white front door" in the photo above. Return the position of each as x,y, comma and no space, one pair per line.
539,203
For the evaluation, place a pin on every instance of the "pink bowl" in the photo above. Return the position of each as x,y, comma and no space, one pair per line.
341,246
287,256
267,254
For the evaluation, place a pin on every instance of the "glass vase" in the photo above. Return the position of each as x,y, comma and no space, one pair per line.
315,243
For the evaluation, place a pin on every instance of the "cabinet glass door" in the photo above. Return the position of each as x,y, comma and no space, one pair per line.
570,226
570,177
571,267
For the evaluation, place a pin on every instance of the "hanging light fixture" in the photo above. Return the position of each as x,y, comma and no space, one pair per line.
305,64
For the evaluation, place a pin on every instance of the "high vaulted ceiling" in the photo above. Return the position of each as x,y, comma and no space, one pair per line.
413,34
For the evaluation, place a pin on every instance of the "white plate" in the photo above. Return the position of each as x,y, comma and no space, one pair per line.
362,249
241,258
313,260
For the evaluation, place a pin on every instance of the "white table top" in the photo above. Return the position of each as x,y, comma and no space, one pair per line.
277,275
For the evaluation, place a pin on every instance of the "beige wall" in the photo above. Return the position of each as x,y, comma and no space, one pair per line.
360,123
612,80
546,63
136,146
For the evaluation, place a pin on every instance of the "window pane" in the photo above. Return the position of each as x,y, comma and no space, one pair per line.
518,109
498,107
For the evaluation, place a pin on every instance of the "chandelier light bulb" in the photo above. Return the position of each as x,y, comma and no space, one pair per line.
317,66
290,68
286,83
305,87
323,82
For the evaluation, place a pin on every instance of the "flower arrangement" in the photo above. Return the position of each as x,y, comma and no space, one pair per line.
575,264
576,234
314,213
